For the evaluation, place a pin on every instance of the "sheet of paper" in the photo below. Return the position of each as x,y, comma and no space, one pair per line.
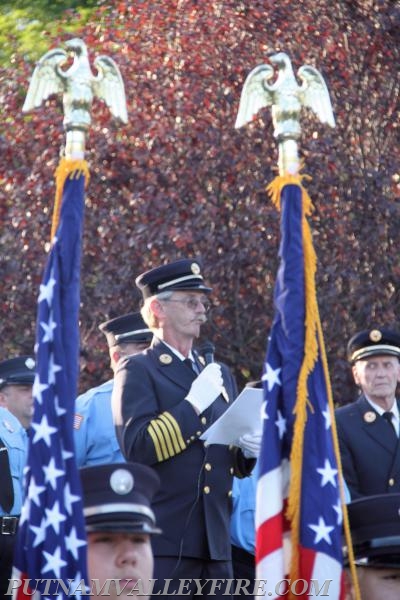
243,416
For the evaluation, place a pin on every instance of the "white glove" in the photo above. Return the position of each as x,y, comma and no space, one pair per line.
250,443
206,388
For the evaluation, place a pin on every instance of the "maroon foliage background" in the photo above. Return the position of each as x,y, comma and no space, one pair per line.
180,181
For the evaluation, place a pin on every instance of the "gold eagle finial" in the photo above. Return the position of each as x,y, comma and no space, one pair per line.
78,86
286,99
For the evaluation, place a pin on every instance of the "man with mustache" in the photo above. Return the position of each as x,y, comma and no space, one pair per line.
163,400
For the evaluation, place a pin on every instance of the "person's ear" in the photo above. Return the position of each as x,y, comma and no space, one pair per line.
157,308
115,355
3,399
355,374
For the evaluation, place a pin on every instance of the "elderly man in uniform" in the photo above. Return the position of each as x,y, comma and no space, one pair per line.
94,432
375,531
119,522
368,429
163,400
16,411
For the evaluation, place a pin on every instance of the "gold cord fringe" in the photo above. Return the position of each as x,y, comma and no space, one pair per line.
66,168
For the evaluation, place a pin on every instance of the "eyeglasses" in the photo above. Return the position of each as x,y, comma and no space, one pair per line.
191,303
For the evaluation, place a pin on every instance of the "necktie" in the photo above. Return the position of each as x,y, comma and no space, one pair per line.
388,416
6,488
189,363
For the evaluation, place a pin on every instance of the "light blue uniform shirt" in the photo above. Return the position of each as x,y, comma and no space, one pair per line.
95,439
15,439
243,515
244,506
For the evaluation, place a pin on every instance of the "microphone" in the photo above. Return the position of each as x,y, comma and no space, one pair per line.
207,350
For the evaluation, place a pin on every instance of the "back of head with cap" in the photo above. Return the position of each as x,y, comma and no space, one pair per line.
117,498
129,328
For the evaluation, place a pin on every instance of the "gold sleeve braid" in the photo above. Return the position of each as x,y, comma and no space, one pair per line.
166,435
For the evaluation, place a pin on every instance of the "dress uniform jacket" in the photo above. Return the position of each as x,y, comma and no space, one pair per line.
95,439
370,457
156,426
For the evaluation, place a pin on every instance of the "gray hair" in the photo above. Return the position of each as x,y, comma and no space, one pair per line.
148,316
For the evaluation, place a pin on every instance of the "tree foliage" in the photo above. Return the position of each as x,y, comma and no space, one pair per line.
179,180
28,26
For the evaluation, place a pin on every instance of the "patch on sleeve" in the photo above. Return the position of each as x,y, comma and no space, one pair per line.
78,421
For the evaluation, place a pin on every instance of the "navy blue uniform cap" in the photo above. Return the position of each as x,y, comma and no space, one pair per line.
117,497
375,530
126,328
372,342
17,371
184,274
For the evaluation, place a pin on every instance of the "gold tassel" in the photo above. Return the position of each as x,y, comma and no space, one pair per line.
66,168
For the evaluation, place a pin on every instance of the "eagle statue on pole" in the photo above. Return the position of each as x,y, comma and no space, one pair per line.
78,87
286,99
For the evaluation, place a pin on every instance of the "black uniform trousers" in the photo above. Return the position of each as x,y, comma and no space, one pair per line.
7,543
171,576
244,568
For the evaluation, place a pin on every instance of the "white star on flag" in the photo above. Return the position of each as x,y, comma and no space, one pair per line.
46,290
59,410
54,562
38,388
322,531
43,431
264,414
271,376
54,517
327,417
51,473
35,491
328,474
53,369
48,329
338,509
281,424
73,543
69,499
40,532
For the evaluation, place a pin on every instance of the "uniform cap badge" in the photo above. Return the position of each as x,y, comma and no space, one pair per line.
121,481
375,335
30,363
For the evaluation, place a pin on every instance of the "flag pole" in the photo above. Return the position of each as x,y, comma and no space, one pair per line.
51,541
287,99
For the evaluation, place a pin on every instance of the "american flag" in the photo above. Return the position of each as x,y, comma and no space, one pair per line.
298,507
51,542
